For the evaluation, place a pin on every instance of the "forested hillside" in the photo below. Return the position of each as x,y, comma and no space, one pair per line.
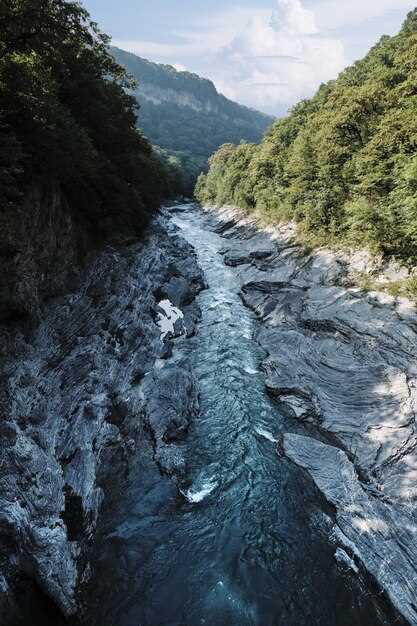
64,114
343,164
185,115
74,169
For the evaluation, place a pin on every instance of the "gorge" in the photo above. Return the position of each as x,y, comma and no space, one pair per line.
207,403
245,537
236,473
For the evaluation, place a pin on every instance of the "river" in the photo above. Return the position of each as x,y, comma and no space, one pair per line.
244,540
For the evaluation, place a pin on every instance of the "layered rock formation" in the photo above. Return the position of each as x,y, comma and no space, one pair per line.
91,372
79,382
345,363
46,243
42,248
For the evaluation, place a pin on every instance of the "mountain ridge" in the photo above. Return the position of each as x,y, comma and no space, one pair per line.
184,114
185,78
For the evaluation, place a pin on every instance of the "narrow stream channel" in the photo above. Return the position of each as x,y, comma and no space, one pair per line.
246,543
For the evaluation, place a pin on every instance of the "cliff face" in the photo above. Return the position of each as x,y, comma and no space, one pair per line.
75,394
46,241
201,92
41,247
157,95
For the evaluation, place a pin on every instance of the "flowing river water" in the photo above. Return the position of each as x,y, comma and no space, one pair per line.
246,539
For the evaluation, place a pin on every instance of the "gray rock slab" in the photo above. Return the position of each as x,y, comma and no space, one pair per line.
381,539
346,362
76,385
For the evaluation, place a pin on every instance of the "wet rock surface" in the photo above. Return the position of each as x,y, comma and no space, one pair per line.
373,534
242,535
76,389
118,505
346,364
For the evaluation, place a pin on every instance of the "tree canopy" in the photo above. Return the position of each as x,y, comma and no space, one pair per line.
65,115
342,164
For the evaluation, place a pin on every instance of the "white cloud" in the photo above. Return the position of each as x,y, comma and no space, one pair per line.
331,15
208,34
276,60
156,51
270,59
180,67
291,15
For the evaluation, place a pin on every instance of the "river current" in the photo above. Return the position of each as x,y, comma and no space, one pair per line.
245,539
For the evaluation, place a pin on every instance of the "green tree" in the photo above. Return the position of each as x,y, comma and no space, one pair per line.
342,164
63,99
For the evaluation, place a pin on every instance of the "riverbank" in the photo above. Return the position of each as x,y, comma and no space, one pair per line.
80,384
243,539
212,427
371,273
344,362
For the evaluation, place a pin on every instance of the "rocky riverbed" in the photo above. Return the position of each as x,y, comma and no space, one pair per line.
80,383
345,363
211,427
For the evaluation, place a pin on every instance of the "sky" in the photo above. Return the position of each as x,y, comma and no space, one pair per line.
266,54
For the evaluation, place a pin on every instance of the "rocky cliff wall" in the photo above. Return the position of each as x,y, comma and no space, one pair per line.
46,242
42,247
182,98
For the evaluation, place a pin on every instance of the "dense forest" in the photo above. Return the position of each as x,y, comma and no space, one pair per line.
342,164
184,114
65,116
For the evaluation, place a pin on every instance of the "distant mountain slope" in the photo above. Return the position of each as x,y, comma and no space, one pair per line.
184,114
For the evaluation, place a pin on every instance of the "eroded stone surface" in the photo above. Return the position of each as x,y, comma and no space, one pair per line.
345,362
376,536
75,388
